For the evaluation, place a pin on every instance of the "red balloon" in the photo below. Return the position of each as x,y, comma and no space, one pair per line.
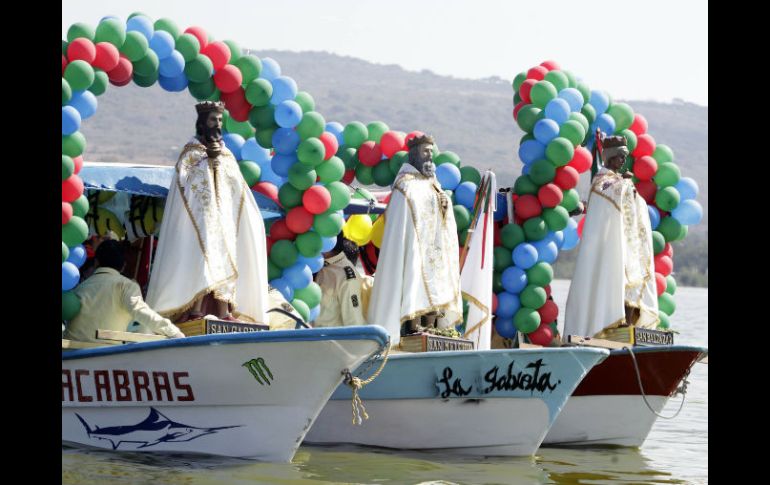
66,212
413,134
525,89
537,73
316,199
392,142
639,125
228,78
269,244
81,49
370,153
547,289
548,312
240,113
331,145
498,238
581,223
542,336
668,250
235,99
645,145
121,73
517,108
663,264
527,206
647,189
550,195
550,65
349,176
645,167
582,160
267,189
121,83
200,34
107,56
299,220
71,188
218,52
280,230
371,252
63,64
78,163
566,177
494,302
660,283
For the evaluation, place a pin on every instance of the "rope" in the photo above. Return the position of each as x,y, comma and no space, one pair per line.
355,383
682,389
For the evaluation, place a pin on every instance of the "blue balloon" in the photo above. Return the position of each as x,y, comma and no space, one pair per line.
173,84
573,97
514,280
285,140
284,89
283,286
505,327
336,129
465,194
502,208
600,101
688,212
557,237
546,130
85,102
558,110
328,243
507,304
282,162
70,120
162,43
288,114
547,251
252,151
448,176
606,123
77,255
314,312
298,275
531,151
687,187
141,24
69,276
525,255
315,263
234,142
173,65
270,69
571,238
525,169
654,216
268,175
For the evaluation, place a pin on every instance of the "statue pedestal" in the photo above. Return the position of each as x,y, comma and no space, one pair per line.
425,342
203,326
637,336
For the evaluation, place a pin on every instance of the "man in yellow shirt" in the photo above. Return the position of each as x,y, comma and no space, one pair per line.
110,301
343,289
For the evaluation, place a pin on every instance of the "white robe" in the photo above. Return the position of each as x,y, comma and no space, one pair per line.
615,264
209,243
418,266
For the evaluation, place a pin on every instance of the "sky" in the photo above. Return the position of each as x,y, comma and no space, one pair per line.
635,50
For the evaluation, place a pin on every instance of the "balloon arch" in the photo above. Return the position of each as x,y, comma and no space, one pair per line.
288,152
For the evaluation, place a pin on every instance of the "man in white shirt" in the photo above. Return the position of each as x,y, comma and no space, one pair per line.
342,287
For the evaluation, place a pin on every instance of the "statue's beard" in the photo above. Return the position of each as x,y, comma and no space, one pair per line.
212,135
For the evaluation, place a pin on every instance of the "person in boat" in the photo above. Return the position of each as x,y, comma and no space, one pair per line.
417,283
110,301
211,256
343,287
282,315
614,280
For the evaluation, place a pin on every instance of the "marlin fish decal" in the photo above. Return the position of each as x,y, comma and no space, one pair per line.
156,428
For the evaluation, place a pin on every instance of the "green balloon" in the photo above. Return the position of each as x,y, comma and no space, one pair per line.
542,92
512,235
631,139
516,98
376,129
264,137
199,69
66,92
242,128
668,175
289,197
470,174
331,170
558,79
302,308
99,86
301,176
556,218
398,159
446,157
263,117
189,46
519,80
364,174
670,228
666,303
273,271
349,157
382,174
541,172
535,228
670,285
462,217
663,154
589,112
80,29
80,206
354,134
67,167
112,31
64,45
462,236
250,171
145,81
580,118
70,305
235,51
250,67
148,65
682,233
305,101
658,242
340,196
570,199
79,74
311,126
533,296
283,253
559,151
526,320
136,46
258,92
528,115
65,252
571,80
309,244
168,26
73,145
497,282
502,258
311,294
623,116
665,323
667,198
524,185
74,232
573,131
541,274
328,225
311,152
